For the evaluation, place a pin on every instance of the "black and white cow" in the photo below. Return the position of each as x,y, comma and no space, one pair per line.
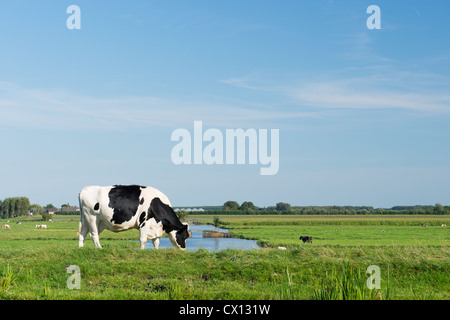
119,208
306,239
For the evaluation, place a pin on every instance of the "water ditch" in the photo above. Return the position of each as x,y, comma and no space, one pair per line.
210,238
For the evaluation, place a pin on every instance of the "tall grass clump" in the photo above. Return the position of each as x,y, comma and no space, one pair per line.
287,289
6,278
347,284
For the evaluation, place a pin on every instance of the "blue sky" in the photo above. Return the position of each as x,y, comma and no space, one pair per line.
364,115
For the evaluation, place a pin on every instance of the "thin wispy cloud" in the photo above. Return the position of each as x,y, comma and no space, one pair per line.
417,11
383,89
61,109
334,95
369,88
360,47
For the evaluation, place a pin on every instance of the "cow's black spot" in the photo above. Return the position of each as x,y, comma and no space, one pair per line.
142,219
142,201
164,213
97,206
124,200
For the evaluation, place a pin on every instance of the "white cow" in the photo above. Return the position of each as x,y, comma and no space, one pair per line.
6,226
119,208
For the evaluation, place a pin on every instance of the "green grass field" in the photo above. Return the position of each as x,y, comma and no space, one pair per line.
413,260
342,230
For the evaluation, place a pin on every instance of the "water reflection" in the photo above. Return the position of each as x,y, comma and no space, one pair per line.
196,241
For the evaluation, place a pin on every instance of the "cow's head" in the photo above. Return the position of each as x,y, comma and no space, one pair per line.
178,237
182,235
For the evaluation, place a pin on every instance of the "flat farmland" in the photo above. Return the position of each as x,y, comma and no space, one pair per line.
413,260
340,230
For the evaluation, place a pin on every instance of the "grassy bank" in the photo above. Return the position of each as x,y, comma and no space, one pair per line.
33,262
123,272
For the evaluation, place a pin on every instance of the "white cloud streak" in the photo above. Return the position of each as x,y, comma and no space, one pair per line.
348,96
369,88
60,109
376,89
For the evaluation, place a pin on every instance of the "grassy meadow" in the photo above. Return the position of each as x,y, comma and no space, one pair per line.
413,261
342,230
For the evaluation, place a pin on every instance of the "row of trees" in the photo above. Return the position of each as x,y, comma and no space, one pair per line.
232,207
13,207
249,207
20,206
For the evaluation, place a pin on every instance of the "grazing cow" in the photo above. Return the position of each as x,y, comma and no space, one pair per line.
6,226
306,239
424,225
443,225
119,208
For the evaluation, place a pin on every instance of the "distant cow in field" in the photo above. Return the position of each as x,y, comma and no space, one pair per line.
6,226
424,225
41,226
443,225
119,208
306,239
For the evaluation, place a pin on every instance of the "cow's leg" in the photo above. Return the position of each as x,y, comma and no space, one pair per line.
94,231
95,239
156,243
143,237
82,233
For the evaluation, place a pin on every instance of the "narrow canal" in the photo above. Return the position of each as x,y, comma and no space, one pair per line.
210,238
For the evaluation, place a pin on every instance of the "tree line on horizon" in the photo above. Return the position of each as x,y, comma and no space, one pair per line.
20,206
247,207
